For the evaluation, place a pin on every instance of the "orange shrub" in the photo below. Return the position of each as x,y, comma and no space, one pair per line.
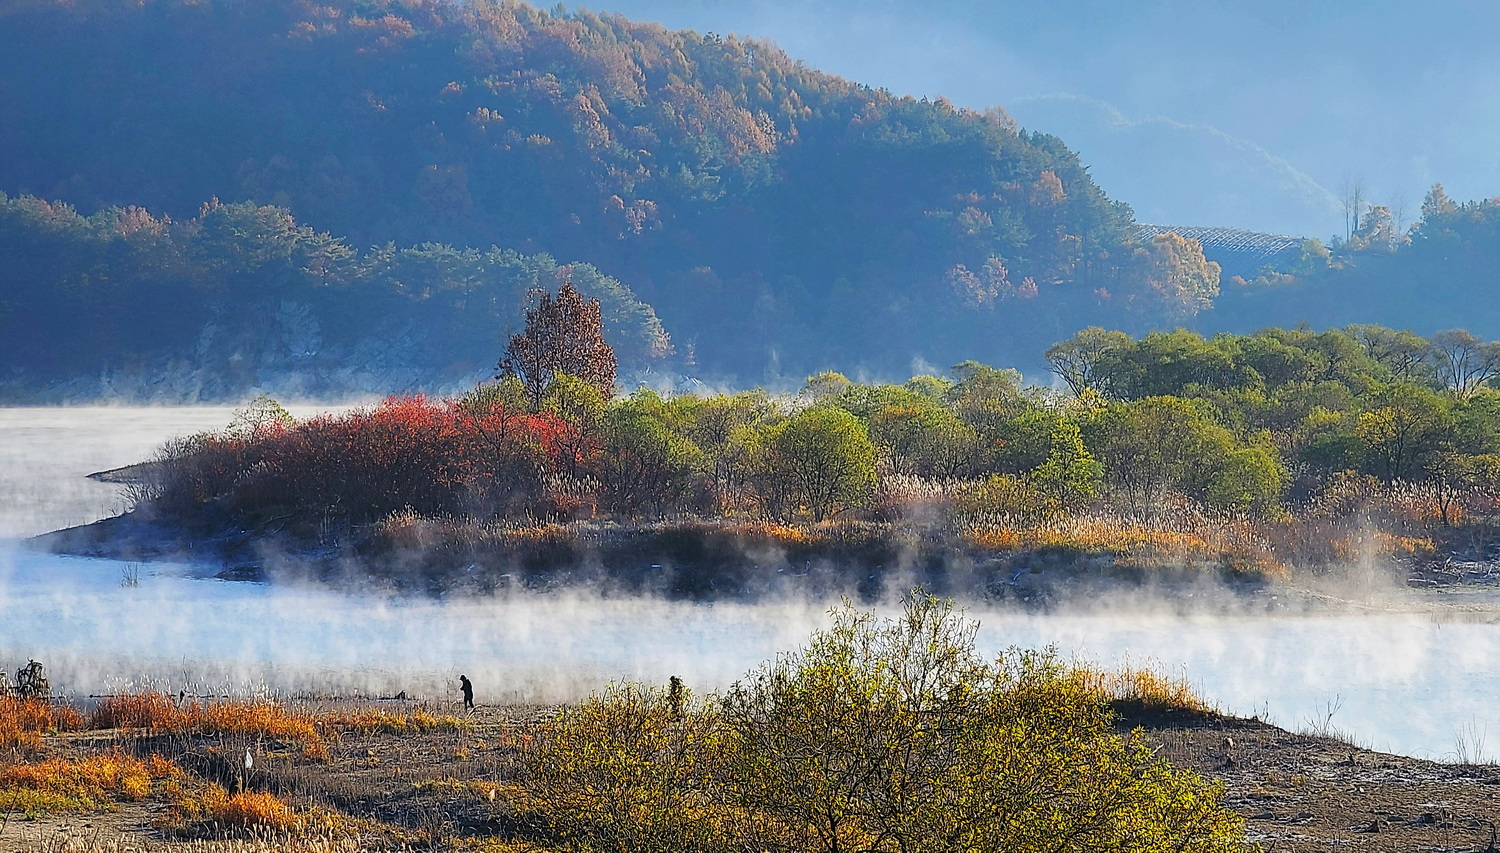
213,807
254,809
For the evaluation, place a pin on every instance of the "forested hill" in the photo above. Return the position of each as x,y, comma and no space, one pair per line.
778,219
237,298
1440,273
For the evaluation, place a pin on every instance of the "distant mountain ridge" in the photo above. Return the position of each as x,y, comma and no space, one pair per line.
779,220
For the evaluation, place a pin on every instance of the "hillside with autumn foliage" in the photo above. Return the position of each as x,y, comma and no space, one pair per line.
779,220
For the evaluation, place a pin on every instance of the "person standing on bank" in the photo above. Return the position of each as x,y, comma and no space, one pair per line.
468,689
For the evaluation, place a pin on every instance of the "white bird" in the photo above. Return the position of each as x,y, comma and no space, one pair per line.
249,761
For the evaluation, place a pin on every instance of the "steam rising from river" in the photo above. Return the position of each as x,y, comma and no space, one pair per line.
1404,681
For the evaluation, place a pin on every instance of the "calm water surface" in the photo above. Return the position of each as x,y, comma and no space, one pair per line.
1405,682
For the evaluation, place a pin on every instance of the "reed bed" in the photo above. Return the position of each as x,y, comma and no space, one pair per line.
24,721
1228,542
158,713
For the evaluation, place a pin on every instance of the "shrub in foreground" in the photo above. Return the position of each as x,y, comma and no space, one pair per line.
895,735
629,770
880,735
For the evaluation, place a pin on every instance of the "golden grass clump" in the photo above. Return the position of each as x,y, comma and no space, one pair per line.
24,721
254,809
384,722
1391,543
992,537
212,808
1142,686
260,718
159,713
84,784
138,711
1356,545
475,788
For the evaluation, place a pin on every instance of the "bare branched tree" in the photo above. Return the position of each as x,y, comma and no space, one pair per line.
1462,361
564,335
1076,361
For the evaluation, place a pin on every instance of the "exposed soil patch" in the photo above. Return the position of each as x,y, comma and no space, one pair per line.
1305,793
19,834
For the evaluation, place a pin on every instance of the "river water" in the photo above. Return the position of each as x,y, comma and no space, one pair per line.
1406,680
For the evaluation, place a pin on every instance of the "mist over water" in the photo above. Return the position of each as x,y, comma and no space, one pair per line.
179,628
47,453
1409,682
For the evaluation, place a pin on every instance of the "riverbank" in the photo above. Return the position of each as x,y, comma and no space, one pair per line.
688,559
705,560
1303,792
379,789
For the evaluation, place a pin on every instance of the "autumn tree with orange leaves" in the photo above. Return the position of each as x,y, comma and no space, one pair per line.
564,335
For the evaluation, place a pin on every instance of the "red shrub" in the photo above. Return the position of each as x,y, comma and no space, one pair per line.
408,452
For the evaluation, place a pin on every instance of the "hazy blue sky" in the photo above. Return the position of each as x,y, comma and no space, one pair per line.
1249,114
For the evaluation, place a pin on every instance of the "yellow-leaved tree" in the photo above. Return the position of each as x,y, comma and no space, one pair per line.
881,735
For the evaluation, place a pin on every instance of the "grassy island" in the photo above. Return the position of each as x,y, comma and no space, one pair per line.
1241,458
